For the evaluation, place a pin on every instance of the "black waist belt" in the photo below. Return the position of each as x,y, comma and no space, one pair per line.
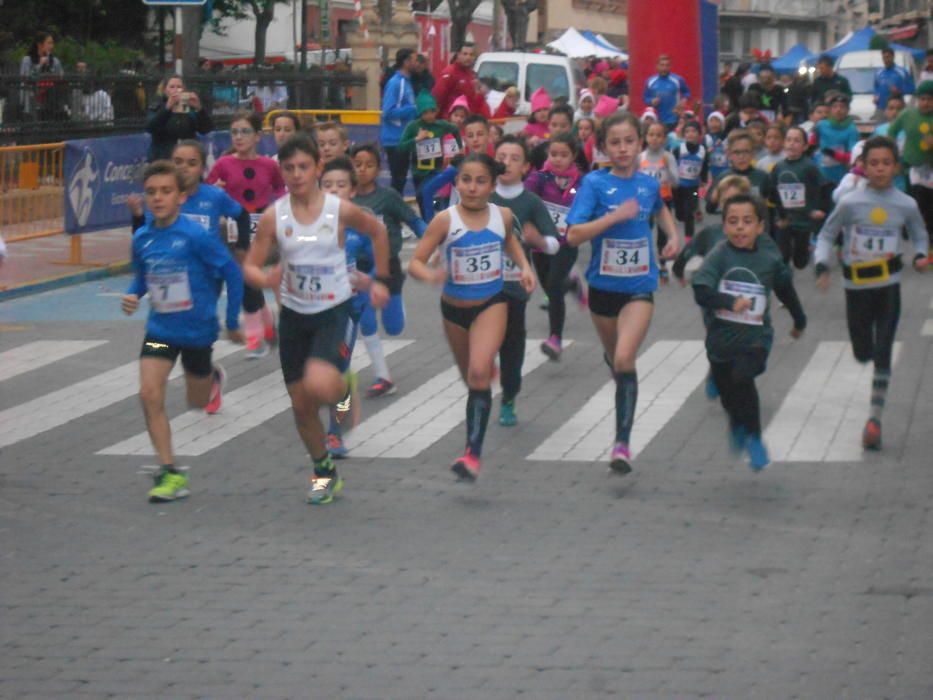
872,271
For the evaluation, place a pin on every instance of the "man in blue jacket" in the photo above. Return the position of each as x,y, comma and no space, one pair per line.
891,80
398,109
665,91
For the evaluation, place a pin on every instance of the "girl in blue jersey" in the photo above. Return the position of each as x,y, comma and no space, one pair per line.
472,237
613,210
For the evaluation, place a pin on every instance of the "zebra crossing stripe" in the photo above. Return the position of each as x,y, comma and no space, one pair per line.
40,353
52,410
419,419
927,329
195,433
668,373
821,417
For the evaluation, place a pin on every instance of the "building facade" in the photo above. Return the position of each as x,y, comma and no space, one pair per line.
773,25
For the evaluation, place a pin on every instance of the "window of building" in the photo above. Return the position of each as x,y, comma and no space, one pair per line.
726,39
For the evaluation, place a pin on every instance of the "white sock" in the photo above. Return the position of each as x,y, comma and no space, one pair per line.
373,345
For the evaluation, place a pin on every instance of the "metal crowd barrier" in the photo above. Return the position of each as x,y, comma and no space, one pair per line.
32,191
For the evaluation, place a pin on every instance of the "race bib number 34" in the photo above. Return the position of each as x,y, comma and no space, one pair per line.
476,264
169,292
623,258
755,315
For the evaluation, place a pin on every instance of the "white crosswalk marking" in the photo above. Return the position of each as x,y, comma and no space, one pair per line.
927,327
40,353
668,372
72,402
823,413
195,433
421,418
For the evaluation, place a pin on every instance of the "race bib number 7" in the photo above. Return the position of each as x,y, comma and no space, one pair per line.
625,258
169,292
476,264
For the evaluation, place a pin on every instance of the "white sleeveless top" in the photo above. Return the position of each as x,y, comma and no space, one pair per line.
314,266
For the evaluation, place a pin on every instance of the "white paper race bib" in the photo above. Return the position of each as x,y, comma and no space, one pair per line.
510,271
311,282
428,149
689,169
233,231
476,264
793,195
450,147
921,176
169,292
253,225
624,258
202,219
755,315
718,159
558,216
873,242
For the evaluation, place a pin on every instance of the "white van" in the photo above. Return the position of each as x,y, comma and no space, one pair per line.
559,75
859,68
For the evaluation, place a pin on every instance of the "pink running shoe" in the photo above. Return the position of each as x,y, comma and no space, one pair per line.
621,460
217,387
551,347
466,467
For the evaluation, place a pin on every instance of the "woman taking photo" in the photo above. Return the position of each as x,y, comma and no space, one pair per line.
178,116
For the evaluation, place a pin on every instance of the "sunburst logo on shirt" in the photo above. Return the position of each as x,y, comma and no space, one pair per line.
878,216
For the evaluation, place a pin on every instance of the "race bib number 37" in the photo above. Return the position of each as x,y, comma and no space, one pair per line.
169,292
428,149
476,264
623,258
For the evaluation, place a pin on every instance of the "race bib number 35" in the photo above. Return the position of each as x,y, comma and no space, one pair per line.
793,195
476,264
623,258
755,315
169,292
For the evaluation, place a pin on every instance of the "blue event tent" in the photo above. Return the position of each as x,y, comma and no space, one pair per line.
791,61
860,40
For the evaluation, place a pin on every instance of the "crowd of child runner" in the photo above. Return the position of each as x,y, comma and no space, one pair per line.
500,213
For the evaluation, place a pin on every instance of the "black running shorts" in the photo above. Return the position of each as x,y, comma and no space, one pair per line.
195,361
321,336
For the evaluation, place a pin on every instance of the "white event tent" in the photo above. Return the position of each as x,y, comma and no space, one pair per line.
573,44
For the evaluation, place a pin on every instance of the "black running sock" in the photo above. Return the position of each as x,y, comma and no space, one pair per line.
169,468
879,392
324,465
626,398
479,404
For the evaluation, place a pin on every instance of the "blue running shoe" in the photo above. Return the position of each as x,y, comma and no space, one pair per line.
335,446
507,417
738,436
758,457
712,391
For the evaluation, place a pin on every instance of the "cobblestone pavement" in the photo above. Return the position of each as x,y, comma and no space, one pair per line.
547,579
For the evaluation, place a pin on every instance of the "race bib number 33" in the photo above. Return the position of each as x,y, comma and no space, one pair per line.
476,264
625,258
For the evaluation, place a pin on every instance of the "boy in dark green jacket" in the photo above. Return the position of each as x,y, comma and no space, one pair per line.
423,139
734,286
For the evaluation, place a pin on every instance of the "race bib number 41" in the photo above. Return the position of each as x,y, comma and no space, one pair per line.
169,292
476,264
623,258
758,295
872,242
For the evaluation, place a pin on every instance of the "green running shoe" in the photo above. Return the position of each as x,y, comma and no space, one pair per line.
507,417
324,486
169,486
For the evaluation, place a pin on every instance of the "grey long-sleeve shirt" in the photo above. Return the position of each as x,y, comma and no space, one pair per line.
871,222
